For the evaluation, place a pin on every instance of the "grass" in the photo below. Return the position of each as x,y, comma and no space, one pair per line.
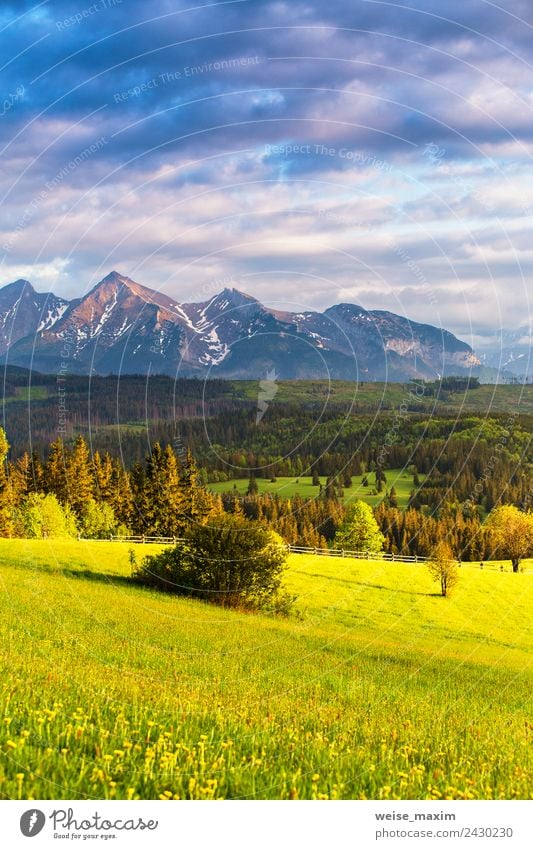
27,393
289,487
378,688
375,396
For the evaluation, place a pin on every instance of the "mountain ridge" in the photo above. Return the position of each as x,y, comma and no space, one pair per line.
122,325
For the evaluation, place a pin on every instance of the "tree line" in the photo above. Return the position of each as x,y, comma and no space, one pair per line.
73,492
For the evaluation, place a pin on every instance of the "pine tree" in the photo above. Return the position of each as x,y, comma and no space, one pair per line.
138,507
103,475
198,504
37,474
22,473
331,487
80,480
55,476
171,494
151,498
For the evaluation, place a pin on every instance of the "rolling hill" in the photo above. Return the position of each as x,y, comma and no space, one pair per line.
375,688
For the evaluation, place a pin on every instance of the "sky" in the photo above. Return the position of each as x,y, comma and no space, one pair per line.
307,153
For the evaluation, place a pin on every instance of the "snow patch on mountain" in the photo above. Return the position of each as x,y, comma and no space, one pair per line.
108,309
52,316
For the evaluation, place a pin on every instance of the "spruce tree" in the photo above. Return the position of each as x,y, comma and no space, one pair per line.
55,477
199,505
171,495
37,473
151,501
80,480
103,475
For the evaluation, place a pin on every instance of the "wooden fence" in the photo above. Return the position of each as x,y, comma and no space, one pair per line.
322,552
293,549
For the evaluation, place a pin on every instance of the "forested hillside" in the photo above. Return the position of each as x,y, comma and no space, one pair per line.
421,455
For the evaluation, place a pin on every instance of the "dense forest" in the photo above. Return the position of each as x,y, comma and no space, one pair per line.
74,493
143,451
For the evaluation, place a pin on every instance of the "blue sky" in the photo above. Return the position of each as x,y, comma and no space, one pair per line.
305,152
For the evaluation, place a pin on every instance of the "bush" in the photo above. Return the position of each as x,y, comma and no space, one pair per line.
97,520
233,562
42,516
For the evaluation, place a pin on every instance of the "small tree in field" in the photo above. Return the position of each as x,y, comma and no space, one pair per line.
253,487
360,531
97,520
42,516
512,533
443,568
233,562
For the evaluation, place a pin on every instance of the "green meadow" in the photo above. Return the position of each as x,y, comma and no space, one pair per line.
288,487
374,687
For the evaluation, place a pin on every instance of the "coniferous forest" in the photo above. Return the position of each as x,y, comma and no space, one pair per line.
139,458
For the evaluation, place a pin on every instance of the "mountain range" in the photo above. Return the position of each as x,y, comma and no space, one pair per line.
120,326
509,351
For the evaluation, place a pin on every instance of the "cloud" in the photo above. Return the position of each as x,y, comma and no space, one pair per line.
314,151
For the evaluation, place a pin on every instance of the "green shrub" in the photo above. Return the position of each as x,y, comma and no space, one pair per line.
41,516
97,520
232,562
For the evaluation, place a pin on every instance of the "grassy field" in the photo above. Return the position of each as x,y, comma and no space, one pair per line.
376,688
27,393
289,487
376,396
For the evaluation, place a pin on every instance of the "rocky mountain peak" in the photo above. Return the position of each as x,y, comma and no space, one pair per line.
121,324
